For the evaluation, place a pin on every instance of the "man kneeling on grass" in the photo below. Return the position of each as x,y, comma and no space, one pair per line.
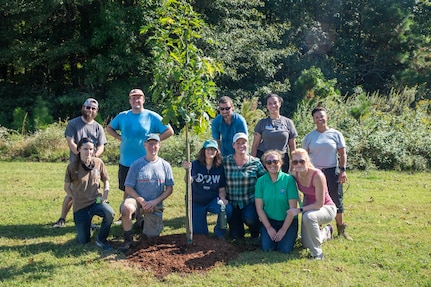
148,182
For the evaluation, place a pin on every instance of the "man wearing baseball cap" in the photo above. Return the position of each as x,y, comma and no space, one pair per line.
149,181
134,126
80,127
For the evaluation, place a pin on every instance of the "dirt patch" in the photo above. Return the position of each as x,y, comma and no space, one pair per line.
171,253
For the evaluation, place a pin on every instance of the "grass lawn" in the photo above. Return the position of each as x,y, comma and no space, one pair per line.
389,217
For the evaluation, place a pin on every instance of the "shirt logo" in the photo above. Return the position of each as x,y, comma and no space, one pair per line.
207,178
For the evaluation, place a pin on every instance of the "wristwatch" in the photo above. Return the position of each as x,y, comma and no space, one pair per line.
301,209
342,168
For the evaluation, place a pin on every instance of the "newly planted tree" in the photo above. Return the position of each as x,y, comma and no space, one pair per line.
183,75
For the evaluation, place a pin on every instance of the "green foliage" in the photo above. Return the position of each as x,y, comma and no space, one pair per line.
47,144
19,120
312,83
183,75
251,113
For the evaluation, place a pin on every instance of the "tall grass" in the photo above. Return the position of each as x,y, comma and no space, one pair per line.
388,215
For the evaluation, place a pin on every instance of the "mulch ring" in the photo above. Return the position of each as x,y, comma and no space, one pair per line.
171,253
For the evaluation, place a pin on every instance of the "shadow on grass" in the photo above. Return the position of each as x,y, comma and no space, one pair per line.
36,269
34,231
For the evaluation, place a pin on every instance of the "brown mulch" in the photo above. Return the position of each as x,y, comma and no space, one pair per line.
171,253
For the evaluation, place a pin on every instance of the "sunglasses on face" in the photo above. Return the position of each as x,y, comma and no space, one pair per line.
295,162
269,162
227,109
90,108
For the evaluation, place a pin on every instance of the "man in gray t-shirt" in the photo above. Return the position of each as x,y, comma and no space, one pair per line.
84,126
148,182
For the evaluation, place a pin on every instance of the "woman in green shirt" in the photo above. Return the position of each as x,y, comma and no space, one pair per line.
276,192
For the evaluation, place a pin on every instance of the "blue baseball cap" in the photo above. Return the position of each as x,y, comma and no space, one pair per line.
210,144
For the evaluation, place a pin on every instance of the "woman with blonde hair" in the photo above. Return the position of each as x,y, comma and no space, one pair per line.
318,208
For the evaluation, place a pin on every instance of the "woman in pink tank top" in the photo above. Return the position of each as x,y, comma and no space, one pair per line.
317,209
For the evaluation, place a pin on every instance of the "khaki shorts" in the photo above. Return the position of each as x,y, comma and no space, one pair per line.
152,221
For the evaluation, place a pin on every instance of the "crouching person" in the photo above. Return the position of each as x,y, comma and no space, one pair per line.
148,182
82,183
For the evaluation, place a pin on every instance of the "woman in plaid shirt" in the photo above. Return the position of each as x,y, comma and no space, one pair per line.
242,171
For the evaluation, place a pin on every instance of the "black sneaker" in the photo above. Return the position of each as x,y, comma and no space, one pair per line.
60,223
125,246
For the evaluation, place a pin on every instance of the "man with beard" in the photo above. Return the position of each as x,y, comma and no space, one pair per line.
82,127
226,125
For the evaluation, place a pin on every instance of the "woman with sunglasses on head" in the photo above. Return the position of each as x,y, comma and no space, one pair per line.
82,183
275,194
317,209
327,149
274,132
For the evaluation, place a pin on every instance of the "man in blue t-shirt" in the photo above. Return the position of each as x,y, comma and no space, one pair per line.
134,126
226,125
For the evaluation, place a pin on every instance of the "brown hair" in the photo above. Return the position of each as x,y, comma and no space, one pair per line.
77,162
272,152
216,162
225,100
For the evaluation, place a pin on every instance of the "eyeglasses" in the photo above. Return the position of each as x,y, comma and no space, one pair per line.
90,108
295,162
227,109
268,162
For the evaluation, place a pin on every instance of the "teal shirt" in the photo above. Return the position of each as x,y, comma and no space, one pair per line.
276,195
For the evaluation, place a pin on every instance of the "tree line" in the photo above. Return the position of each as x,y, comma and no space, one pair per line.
55,54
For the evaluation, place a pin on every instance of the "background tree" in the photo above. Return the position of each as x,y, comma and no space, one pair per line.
182,74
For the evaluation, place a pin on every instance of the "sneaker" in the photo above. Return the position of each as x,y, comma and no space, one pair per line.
104,245
94,226
60,223
317,257
126,246
118,222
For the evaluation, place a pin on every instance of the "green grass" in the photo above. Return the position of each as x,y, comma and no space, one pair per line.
389,216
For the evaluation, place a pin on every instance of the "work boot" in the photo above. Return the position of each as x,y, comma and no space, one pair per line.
342,231
128,241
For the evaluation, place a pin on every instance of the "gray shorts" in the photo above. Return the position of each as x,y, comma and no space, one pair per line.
152,221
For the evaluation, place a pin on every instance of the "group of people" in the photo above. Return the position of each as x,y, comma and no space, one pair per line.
145,178
255,185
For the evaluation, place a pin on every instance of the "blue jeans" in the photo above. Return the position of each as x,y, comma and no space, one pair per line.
83,219
199,217
286,244
247,215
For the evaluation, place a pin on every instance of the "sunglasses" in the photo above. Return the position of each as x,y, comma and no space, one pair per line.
295,162
90,108
268,162
227,109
